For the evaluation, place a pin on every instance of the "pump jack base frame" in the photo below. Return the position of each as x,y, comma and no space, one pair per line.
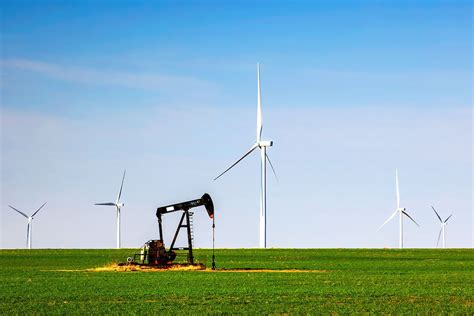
170,266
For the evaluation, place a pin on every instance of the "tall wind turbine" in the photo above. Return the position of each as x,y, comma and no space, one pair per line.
118,206
400,211
30,223
262,144
442,231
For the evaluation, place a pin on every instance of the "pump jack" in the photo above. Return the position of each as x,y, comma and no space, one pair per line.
154,251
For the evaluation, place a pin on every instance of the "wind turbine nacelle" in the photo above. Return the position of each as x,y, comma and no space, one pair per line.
265,143
205,200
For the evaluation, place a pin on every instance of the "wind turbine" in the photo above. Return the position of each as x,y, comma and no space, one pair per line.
30,223
400,211
118,206
443,228
262,145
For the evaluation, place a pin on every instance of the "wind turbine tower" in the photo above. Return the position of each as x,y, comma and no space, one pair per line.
400,211
118,207
262,145
442,231
30,223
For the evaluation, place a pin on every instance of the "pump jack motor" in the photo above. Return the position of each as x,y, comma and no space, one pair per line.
154,251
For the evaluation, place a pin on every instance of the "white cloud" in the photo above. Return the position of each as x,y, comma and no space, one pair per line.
84,75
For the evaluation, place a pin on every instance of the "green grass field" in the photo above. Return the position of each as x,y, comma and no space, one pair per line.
351,281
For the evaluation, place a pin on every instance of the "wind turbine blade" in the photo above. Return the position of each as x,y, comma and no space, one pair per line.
388,219
18,211
38,209
439,236
410,218
108,204
248,153
437,214
259,108
448,218
271,165
398,190
121,186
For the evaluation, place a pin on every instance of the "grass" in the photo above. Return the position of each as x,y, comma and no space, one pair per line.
353,281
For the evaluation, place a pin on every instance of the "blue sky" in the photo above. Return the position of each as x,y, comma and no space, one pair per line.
351,90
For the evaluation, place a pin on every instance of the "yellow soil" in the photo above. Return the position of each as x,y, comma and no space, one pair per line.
113,267
178,267
267,271
128,268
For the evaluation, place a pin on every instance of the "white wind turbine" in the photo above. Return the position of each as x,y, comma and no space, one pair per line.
118,206
401,211
443,228
30,223
262,144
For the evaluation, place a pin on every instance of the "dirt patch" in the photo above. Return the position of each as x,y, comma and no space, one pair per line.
113,267
137,268
268,271
144,268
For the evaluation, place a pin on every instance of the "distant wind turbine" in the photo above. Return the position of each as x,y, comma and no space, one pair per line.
118,206
30,223
442,231
262,144
401,211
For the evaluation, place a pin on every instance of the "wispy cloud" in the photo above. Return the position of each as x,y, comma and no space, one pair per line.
85,75
389,75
